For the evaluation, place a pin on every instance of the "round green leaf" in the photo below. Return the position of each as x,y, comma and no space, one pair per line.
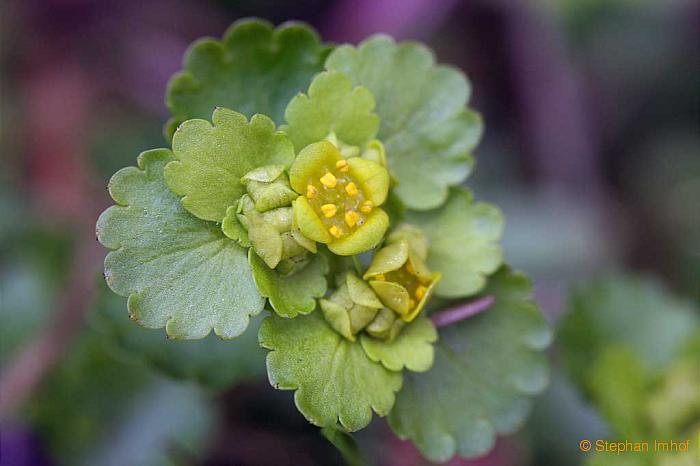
212,159
294,294
332,106
412,349
255,68
485,369
333,379
179,272
463,243
427,131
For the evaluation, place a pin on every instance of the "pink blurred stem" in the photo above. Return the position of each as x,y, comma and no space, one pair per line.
464,311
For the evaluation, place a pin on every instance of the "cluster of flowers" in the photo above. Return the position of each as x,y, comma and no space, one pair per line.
332,194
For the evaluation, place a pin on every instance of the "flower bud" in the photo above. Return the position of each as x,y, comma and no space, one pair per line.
399,276
268,187
351,307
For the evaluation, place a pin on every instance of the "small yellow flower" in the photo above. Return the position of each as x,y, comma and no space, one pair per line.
343,208
401,279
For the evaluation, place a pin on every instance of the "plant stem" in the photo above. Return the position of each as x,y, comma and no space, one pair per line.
461,312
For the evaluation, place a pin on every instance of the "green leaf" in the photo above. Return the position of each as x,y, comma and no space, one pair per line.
333,379
253,69
485,370
624,310
412,349
464,245
332,106
427,131
211,361
294,294
212,159
179,272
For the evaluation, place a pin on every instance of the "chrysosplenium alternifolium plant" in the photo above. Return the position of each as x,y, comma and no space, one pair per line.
324,184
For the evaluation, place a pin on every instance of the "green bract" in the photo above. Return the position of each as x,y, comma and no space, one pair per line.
426,128
253,69
334,380
282,200
332,107
293,294
213,158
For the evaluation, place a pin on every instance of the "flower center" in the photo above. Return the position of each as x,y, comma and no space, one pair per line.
407,277
337,199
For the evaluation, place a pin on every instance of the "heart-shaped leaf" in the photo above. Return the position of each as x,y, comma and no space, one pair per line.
179,272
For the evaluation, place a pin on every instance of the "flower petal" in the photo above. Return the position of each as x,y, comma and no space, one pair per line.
337,317
388,259
373,178
309,162
361,293
364,238
392,295
421,304
308,222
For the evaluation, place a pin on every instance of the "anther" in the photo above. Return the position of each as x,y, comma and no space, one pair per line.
311,191
420,292
351,189
329,210
351,218
335,231
328,180
342,165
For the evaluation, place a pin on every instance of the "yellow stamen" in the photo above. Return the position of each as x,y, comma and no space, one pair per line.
335,231
380,277
351,218
366,207
420,292
328,180
329,210
342,165
351,189
311,191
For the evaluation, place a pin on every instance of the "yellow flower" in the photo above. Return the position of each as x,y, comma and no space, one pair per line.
339,198
400,278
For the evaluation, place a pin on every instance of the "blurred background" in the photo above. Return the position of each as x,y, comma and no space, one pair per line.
591,150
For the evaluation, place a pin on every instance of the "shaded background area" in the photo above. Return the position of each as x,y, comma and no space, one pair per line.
591,149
